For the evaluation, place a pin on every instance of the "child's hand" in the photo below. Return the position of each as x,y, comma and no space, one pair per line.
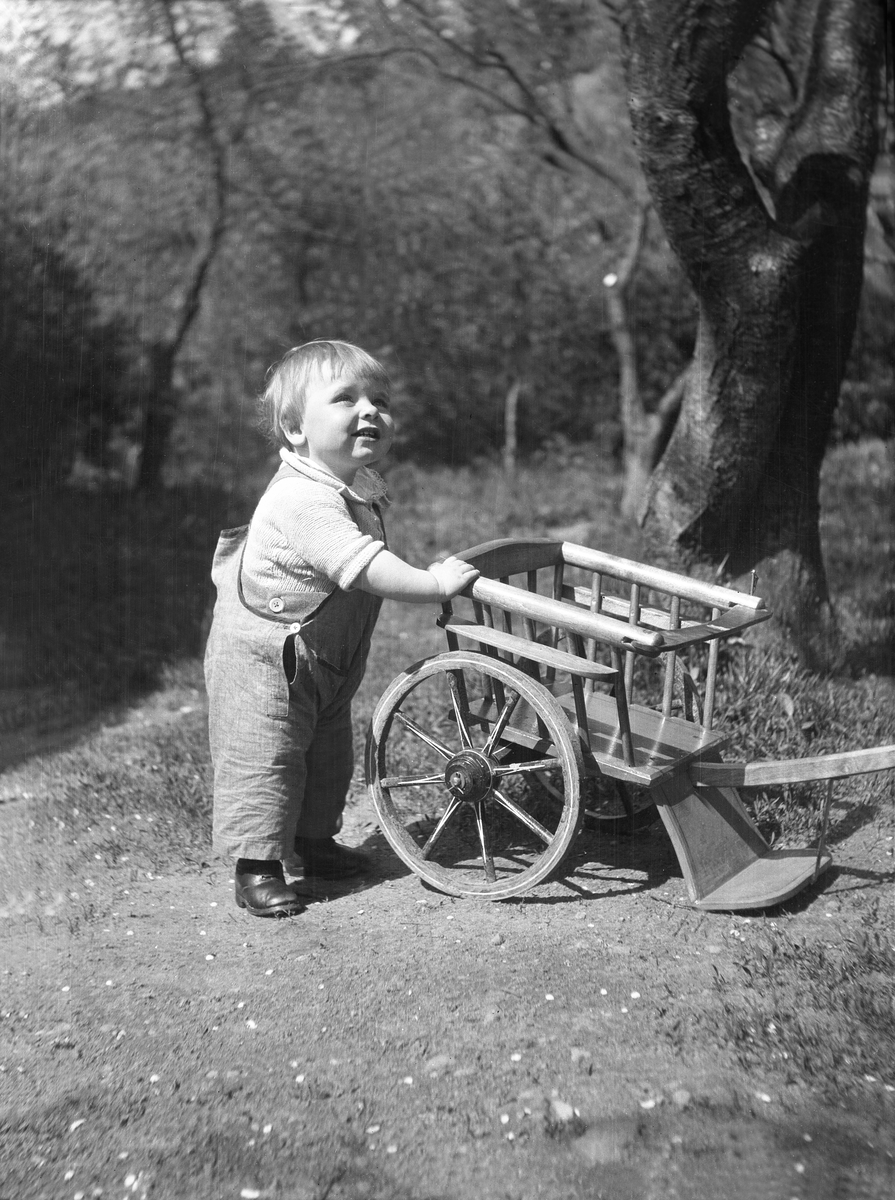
452,576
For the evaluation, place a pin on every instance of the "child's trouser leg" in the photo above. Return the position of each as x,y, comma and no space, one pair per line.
329,765
259,784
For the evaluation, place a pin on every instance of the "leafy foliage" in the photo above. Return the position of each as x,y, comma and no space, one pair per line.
427,203
61,364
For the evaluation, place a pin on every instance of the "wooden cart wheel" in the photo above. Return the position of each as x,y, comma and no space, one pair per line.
453,787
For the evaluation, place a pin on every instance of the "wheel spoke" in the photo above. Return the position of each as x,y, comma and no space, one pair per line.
487,859
395,781
437,746
500,724
465,736
453,805
549,788
525,768
521,815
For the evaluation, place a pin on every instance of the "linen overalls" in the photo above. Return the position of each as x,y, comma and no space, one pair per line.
281,673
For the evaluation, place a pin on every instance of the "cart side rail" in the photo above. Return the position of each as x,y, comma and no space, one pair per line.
658,579
651,621
513,556
568,617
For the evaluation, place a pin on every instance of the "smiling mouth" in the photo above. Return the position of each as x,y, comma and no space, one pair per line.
372,434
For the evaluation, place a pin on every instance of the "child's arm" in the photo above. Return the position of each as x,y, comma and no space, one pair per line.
394,579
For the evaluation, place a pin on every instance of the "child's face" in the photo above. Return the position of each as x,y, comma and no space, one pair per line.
346,424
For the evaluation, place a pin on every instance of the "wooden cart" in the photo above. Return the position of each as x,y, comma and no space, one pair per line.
483,761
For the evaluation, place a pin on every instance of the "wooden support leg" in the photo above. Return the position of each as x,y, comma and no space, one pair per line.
727,864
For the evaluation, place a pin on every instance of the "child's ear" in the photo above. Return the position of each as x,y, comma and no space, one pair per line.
295,438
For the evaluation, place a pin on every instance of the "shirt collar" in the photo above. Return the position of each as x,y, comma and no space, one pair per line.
368,487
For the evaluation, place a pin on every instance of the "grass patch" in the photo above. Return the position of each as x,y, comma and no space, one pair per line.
775,709
132,798
857,529
112,608
817,1014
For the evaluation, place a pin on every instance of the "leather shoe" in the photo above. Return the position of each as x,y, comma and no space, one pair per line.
267,894
326,859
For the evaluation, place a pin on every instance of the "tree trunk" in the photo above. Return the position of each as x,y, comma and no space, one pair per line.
510,415
159,414
777,271
161,402
644,444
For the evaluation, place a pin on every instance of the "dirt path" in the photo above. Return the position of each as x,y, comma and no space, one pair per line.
393,1043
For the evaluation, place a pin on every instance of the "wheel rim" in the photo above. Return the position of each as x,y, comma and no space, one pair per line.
452,755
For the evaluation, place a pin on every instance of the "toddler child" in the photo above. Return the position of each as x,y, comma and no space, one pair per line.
298,593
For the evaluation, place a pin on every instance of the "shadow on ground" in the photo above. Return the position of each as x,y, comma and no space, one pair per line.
103,590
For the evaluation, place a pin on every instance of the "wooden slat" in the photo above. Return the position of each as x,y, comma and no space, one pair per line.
659,744
690,632
708,704
633,619
674,620
513,556
794,770
654,577
593,604
559,660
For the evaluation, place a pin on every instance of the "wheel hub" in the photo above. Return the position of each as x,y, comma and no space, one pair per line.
469,776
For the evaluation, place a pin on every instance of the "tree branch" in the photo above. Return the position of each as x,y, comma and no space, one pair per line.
525,104
189,308
825,143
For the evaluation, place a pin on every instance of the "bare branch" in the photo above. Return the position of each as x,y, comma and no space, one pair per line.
526,103
189,309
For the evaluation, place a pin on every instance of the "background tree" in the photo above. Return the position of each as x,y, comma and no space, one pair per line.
61,362
552,69
767,214
420,192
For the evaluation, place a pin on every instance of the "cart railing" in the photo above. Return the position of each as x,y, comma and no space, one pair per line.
659,614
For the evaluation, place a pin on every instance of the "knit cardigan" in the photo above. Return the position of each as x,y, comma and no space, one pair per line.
305,536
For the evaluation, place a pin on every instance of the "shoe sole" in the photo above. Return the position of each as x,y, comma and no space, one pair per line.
278,910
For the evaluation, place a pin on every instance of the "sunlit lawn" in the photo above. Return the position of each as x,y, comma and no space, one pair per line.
116,603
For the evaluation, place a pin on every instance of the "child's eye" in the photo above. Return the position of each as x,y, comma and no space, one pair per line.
381,401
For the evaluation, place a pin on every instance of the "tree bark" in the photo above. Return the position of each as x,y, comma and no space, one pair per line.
161,396
775,257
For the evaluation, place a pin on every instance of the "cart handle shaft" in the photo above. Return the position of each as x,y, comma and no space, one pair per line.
794,770
564,616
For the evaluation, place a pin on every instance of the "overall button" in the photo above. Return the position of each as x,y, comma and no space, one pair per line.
295,627
276,604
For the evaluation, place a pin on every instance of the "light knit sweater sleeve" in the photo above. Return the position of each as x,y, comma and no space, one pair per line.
302,531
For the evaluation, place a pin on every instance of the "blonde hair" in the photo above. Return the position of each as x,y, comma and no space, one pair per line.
283,399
